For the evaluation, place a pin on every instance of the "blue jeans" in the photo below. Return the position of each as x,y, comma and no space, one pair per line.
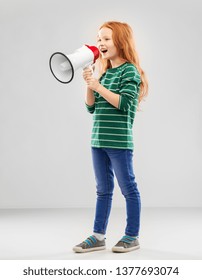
106,163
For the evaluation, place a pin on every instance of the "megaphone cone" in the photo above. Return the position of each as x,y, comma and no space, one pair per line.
63,66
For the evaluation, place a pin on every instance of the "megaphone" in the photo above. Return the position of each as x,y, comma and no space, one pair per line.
63,66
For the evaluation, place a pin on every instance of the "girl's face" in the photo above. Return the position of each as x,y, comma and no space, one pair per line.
106,45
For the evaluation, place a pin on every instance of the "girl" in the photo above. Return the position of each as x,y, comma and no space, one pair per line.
113,100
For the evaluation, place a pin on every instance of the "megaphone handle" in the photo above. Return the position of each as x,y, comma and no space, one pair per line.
89,66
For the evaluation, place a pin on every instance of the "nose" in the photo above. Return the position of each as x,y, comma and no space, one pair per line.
100,44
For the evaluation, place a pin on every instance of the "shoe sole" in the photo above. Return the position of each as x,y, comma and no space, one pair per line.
81,250
124,250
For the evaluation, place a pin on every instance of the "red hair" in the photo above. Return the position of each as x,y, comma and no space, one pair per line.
122,36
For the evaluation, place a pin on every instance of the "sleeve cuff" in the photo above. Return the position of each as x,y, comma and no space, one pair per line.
90,108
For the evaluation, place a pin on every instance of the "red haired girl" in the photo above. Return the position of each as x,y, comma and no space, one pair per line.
113,100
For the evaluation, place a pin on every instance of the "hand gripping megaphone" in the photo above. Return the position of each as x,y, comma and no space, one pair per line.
63,66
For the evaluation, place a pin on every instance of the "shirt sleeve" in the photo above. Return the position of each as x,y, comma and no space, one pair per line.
129,88
91,108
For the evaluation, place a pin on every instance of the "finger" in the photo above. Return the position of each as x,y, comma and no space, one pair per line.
86,75
87,71
89,78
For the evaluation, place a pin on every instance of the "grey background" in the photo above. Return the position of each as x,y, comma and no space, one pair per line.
45,158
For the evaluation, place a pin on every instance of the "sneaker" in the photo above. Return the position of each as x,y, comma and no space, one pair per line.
126,244
89,245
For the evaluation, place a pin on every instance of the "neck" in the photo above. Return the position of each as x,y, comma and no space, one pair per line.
117,62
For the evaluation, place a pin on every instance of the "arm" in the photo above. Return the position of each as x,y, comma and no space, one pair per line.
94,85
128,93
111,97
89,97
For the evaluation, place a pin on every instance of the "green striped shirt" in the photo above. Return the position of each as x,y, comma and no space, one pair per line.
112,127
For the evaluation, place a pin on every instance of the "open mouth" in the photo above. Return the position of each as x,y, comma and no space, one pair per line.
103,51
